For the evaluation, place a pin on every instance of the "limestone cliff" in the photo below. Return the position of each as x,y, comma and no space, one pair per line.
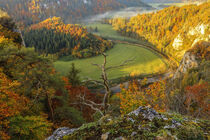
193,57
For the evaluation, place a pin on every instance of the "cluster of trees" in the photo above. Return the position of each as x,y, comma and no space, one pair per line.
7,28
172,1
34,99
137,95
27,12
162,27
54,37
22,100
187,94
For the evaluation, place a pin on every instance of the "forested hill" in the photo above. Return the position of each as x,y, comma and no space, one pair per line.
173,30
172,1
160,1
32,95
52,36
31,11
8,28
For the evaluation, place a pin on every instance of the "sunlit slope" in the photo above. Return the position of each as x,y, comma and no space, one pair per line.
145,62
107,31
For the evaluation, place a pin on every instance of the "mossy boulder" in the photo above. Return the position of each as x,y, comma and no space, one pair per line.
145,124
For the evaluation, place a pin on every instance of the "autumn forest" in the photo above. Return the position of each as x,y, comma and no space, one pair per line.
104,70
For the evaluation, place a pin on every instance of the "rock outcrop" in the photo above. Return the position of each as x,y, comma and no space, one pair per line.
60,133
143,123
189,61
193,57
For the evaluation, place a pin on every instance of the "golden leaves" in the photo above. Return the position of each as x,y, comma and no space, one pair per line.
133,97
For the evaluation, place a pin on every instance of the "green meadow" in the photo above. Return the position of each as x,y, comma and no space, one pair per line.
106,31
144,62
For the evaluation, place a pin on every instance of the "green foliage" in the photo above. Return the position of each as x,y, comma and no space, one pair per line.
73,76
39,90
71,114
7,28
7,23
144,128
188,93
29,127
97,116
107,31
145,62
75,41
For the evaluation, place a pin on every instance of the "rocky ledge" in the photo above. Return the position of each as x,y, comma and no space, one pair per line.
60,133
143,123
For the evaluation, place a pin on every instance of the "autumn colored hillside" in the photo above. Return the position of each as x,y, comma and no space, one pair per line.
37,102
33,97
172,1
52,36
33,11
172,30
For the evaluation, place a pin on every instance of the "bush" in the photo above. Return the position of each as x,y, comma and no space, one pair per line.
29,128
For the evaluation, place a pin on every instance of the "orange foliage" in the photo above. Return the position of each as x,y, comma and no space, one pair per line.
197,100
162,27
56,24
80,42
10,103
74,91
133,97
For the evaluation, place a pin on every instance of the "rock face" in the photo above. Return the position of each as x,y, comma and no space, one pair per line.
60,133
150,114
189,61
188,36
147,113
193,57
178,42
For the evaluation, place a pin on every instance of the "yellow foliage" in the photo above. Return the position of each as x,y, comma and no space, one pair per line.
133,97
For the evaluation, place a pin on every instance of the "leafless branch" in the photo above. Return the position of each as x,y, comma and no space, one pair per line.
91,104
93,81
105,103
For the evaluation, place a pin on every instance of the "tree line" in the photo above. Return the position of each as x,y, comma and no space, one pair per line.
161,28
27,12
54,37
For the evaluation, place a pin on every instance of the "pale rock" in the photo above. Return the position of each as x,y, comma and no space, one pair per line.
188,61
177,42
105,136
60,133
198,30
120,138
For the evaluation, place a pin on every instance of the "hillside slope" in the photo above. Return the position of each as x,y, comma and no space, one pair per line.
30,11
172,1
172,30
188,96
52,36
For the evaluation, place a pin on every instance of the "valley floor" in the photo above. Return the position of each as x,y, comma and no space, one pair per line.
145,61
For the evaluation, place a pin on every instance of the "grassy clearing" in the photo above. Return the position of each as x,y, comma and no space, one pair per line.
106,31
145,62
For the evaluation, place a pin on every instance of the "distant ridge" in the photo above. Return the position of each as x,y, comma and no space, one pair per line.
172,1
72,11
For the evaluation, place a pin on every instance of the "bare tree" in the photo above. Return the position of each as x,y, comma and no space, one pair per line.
103,107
